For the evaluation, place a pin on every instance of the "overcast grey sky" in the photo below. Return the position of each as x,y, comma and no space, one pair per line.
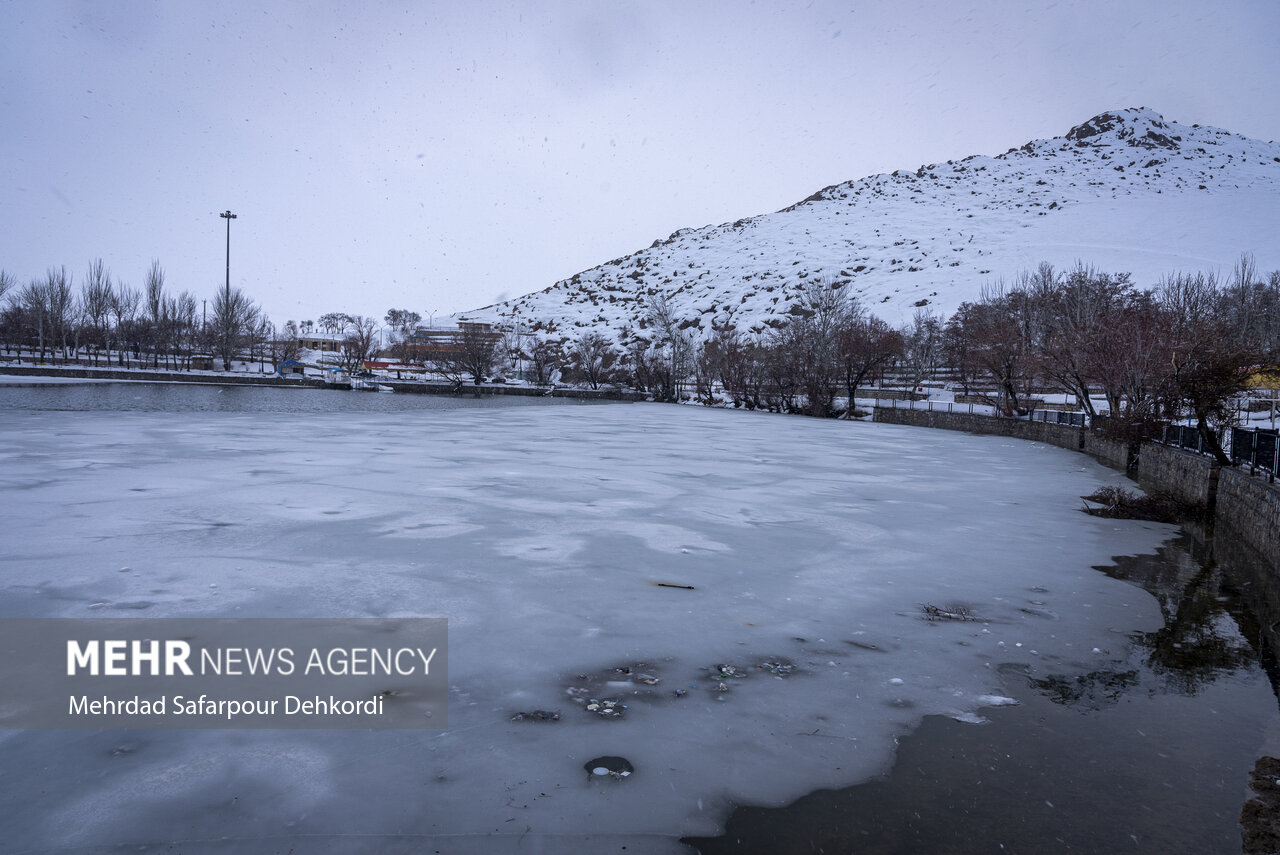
439,156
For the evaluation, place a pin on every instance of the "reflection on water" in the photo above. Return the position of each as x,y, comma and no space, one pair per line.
1095,690
1149,750
194,397
1206,624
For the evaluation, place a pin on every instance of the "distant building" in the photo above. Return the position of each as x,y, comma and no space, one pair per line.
390,366
1264,377
324,342
424,344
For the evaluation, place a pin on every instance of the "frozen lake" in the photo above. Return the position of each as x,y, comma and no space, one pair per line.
541,532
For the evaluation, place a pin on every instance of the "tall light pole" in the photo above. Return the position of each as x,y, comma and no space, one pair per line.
228,216
226,303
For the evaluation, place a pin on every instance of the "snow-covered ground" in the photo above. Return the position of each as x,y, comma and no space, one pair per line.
540,533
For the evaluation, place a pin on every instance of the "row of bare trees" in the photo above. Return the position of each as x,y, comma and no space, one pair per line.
106,319
828,348
1185,347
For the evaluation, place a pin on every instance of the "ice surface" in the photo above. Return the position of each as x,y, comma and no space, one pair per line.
541,532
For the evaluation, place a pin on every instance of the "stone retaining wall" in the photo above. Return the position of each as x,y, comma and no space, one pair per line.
519,391
1063,436
1190,478
1248,509
1109,451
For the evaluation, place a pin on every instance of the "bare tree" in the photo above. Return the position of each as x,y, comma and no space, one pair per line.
545,357
403,323
11,321
1210,353
471,354
725,357
179,329
999,335
360,342
97,296
336,323
234,316
127,329
784,366
1269,324
651,370
704,376
155,305
61,305
1081,317
285,343
806,349
671,343
12,327
1128,362
959,348
866,346
1251,305
7,284
261,339
478,350
511,346
35,305
48,305
592,357
922,347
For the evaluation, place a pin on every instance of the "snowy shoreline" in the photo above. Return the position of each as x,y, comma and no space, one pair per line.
41,375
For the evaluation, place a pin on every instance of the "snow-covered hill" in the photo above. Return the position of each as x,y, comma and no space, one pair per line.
1124,191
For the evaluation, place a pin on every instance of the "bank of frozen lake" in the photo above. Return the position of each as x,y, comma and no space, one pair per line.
541,532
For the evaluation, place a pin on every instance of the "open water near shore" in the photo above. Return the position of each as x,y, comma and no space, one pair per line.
1148,752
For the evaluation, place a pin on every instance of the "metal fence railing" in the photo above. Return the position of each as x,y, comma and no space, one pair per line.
939,406
1053,417
1182,436
1059,417
1257,448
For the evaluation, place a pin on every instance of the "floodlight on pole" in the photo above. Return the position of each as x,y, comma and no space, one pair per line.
228,216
